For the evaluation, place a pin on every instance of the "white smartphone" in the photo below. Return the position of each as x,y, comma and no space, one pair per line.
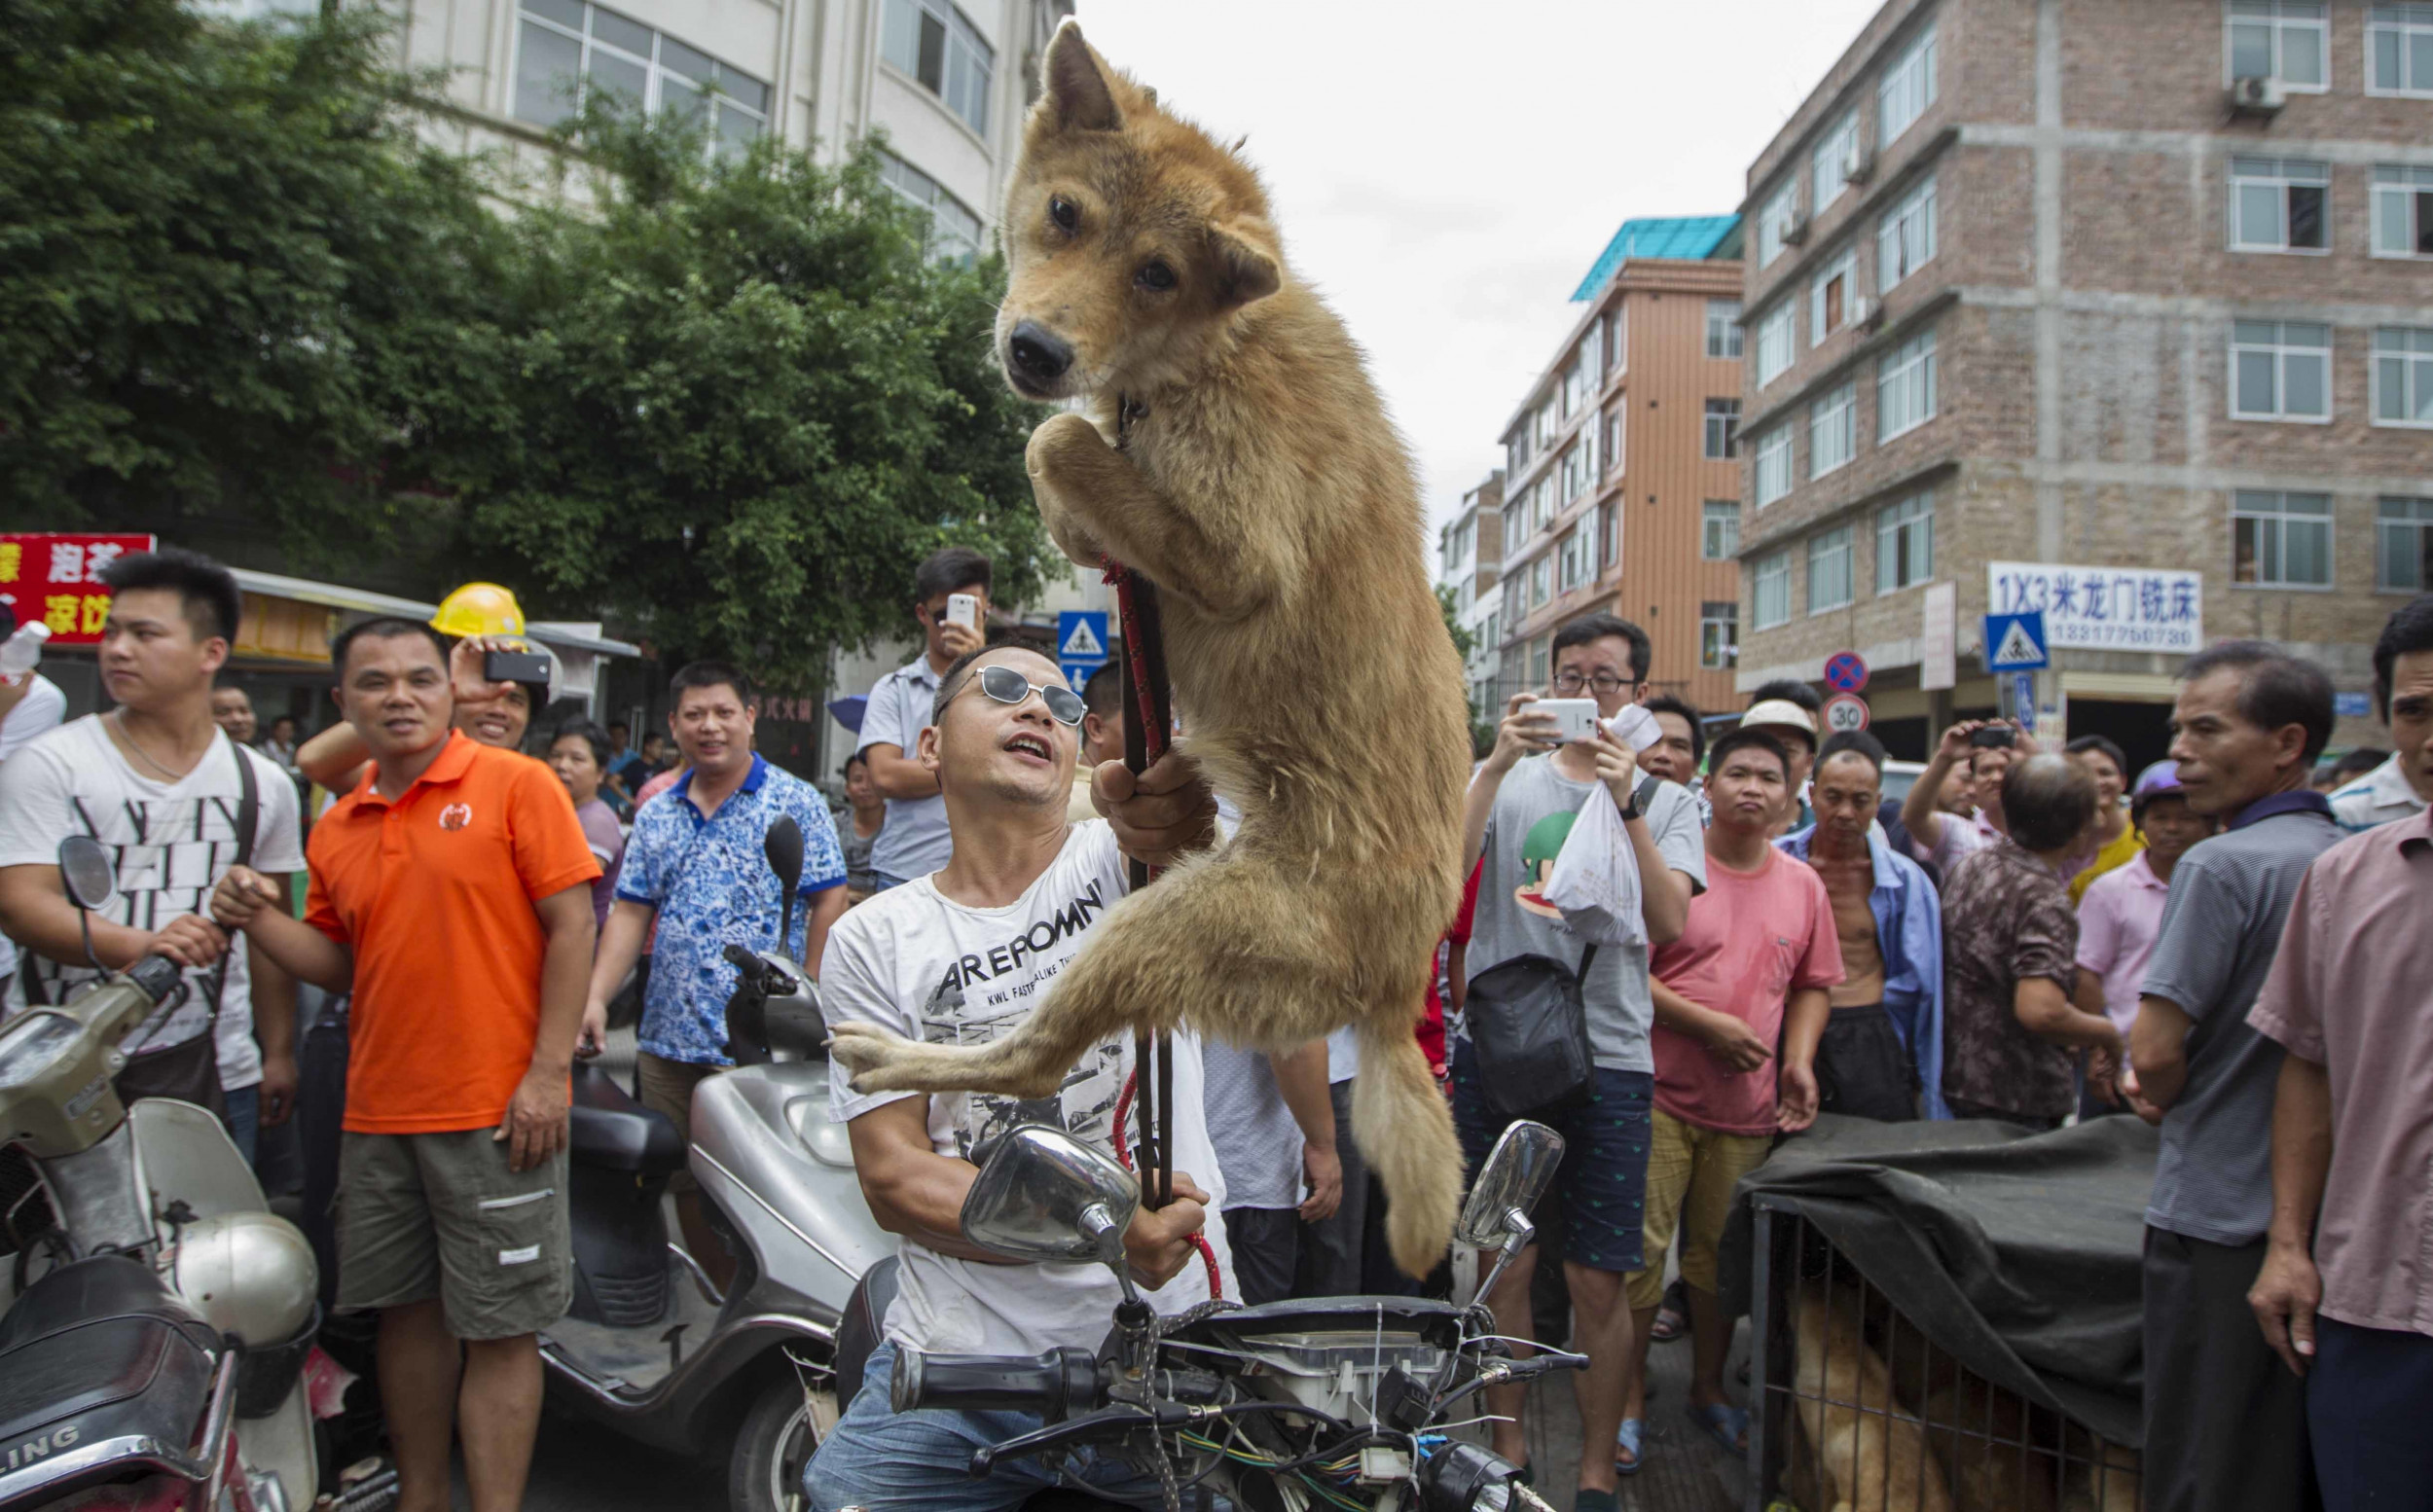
1574,719
963,609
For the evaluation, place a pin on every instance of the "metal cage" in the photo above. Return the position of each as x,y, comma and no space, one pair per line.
1853,1404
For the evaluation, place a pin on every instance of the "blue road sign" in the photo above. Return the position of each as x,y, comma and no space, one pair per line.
1080,644
2023,700
1845,671
2016,642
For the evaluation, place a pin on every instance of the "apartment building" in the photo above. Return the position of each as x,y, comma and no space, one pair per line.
2120,312
1621,481
1470,557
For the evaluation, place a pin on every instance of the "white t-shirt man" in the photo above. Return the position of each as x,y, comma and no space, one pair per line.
171,840
913,962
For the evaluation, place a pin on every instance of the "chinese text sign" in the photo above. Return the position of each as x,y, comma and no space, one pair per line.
2104,608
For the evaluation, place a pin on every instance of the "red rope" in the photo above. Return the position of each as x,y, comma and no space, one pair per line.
1123,1153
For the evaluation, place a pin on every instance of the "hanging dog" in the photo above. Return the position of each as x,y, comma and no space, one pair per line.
1262,490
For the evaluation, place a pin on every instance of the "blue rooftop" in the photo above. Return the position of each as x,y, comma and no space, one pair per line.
1685,236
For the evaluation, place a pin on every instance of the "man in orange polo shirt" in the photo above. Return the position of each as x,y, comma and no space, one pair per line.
452,891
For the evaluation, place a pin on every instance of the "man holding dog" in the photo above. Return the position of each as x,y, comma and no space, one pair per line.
961,957
1528,787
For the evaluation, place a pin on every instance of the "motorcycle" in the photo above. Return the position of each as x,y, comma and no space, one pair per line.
157,1352
651,1346
1340,1402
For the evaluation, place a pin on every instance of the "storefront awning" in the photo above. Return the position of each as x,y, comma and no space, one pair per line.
280,626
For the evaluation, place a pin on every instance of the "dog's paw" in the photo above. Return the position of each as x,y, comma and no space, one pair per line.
1061,443
865,1050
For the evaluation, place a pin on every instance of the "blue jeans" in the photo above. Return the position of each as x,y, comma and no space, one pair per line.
921,1461
242,1114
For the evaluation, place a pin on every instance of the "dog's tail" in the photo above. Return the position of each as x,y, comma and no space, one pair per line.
1404,1130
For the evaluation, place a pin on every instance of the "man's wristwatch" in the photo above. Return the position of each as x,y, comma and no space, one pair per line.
1630,810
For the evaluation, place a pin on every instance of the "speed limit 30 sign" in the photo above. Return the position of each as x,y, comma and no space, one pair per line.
1845,713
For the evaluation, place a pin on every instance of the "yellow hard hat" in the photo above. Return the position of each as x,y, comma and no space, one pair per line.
478,609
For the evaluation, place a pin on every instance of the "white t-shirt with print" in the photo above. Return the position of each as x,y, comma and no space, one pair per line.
915,962
171,842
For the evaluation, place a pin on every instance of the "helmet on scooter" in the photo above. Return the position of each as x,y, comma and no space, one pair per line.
248,1274
478,609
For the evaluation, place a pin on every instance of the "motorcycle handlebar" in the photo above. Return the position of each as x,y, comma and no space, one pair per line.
742,960
1051,1385
157,976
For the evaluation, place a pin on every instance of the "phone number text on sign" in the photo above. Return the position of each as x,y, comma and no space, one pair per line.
2104,608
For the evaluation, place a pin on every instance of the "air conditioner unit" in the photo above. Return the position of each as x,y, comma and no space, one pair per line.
2255,95
1858,164
1795,228
1867,313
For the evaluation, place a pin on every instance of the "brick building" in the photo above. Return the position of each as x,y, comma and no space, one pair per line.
1620,481
2139,298
1470,554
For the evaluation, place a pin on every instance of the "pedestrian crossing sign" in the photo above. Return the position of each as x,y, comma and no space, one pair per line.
2016,642
1080,644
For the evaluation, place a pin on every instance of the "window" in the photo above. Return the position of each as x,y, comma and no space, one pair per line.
2280,370
929,39
1722,429
1592,354
2399,49
1905,238
1613,457
2278,39
1572,561
1773,465
1538,660
1831,294
1723,328
1614,329
1830,161
1719,538
1549,424
2403,211
1904,387
1774,337
1829,569
1719,635
1575,391
1904,543
1774,218
1832,430
1541,580
2277,204
953,232
2403,546
1906,90
1516,529
566,48
1516,450
1573,472
1608,534
2403,375
1771,595
2281,540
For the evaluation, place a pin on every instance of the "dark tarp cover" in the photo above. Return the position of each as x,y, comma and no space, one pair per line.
2018,1253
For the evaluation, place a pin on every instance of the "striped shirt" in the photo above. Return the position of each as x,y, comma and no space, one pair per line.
2376,797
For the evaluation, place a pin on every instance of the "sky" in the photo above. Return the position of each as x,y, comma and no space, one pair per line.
1445,174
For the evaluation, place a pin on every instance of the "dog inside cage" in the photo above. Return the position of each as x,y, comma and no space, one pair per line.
1861,1411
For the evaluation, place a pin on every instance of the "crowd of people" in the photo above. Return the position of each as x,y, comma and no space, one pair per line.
2219,944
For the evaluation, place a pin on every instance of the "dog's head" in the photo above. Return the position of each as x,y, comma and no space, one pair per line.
1133,241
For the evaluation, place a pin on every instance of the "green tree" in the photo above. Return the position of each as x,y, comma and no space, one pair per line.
732,405
230,274
1465,641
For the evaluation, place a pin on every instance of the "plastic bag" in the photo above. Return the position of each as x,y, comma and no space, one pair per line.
1595,881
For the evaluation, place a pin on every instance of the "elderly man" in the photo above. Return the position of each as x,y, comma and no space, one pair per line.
2225,1424
1884,1045
2011,959
2403,688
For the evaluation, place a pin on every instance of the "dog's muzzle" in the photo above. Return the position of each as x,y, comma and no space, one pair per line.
1036,358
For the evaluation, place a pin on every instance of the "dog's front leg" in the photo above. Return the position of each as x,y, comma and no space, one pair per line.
1090,496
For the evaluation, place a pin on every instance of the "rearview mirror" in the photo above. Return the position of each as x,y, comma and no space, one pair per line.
1518,1173
88,874
784,846
1045,1196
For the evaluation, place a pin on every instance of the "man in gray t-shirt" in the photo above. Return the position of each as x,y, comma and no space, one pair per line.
913,842
1519,812
2225,1422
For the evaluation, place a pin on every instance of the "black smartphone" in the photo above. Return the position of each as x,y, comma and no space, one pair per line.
1994,737
530,666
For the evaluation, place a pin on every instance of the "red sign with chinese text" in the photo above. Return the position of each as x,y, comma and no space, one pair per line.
56,578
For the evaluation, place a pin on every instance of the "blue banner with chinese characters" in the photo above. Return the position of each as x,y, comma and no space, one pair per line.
2103,608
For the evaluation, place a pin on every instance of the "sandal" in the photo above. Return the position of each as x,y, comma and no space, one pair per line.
1723,1423
1627,1440
1672,1316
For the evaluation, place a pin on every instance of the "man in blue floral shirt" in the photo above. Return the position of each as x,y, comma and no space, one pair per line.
695,865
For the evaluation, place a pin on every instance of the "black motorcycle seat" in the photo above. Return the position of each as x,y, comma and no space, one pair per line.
104,1344
609,1129
863,1326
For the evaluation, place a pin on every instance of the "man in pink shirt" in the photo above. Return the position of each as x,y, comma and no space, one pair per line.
2345,1294
2121,916
1749,970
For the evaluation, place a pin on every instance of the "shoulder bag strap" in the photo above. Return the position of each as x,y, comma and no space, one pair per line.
248,814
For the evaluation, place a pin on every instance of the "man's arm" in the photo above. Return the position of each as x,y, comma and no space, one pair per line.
1726,1038
827,906
1803,1027
1301,1076
2159,1052
2289,1288
275,1022
1918,813
620,946
1663,893
1165,814
895,777
535,1126
249,901
2045,1011
35,913
1519,734
2087,997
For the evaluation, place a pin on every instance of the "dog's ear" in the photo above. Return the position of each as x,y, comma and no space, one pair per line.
1076,86
1244,271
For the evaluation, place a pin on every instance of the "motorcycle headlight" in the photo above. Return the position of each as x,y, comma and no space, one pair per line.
33,1045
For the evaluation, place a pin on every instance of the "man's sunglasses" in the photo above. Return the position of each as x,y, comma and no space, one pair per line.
1008,686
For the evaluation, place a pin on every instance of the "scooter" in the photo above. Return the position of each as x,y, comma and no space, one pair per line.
651,1346
153,1353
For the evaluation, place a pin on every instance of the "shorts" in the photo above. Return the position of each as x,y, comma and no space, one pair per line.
1604,1174
1863,1070
667,1087
1691,1172
423,1215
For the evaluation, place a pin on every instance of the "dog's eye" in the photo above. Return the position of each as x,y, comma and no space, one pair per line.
1062,212
1155,276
